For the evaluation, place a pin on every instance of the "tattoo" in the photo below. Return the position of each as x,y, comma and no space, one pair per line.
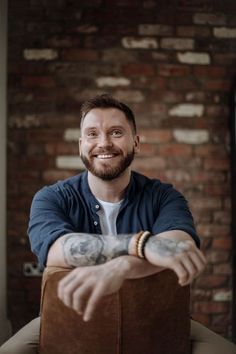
165,247
91,249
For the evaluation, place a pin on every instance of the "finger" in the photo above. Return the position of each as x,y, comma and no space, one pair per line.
180,271
68,291
202,257
80,298
198,261
64,282
92,303
190,267
67,285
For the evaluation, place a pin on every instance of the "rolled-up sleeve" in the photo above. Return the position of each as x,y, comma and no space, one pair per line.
48,221
173,213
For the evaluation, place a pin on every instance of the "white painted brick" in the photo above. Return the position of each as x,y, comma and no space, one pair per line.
128,95
224,32
187,110
190,136
69,163
112,81
155,30
209,19
177,43
40,54
139,43
194,58
71,134
222,295
26,121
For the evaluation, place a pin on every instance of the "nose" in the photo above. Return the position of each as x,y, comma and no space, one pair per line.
104,140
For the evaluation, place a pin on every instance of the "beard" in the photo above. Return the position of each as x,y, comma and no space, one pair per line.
108,173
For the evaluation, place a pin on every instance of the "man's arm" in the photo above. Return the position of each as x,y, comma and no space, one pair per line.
102,263
80,249
173,249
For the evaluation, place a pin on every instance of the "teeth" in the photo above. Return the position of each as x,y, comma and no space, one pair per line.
107,156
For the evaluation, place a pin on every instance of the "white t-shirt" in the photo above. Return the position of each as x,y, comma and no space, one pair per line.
108,215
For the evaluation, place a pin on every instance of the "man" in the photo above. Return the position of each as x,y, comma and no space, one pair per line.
110,224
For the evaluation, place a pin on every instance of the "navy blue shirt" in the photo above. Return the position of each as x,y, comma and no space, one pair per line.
69,206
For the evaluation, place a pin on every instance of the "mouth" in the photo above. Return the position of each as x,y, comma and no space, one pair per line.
105,156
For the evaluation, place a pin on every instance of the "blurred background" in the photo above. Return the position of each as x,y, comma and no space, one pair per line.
173,62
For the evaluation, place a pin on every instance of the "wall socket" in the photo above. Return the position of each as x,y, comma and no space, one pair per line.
32,269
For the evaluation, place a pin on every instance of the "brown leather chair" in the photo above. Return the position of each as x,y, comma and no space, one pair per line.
147,316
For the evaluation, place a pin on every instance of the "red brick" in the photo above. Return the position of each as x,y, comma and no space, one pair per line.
216,257
223,268
148,149
62,148
222,217
208,176
213,230
223,243
224,58
216,164
208,150
138,69
217,110
158,83
38,81
51,176
217,190
211,307
210,71
175,149
211,281
149,163
206,203
173,70
218,85
80,55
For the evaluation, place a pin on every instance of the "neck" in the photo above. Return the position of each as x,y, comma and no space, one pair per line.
109,191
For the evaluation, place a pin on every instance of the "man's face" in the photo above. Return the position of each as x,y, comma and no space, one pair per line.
107,143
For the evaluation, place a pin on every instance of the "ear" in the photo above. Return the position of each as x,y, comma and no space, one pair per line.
79,143
136,144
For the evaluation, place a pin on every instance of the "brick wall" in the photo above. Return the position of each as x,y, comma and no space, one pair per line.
173,62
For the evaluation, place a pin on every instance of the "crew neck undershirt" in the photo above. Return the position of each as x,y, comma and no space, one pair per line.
108,215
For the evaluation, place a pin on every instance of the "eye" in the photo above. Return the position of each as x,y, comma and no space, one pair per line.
91,134
116,133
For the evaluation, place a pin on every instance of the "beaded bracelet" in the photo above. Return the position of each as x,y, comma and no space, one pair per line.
141,243
137,238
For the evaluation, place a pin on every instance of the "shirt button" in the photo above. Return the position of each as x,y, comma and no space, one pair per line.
97,206
95,223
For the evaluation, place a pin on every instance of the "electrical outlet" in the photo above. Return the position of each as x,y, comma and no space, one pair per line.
32,269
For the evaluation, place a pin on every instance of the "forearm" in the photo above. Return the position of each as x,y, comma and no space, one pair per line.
79,250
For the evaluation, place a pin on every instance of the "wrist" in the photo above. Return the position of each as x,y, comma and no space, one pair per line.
132,250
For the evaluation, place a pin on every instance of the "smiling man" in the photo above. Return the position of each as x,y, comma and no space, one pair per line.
110,223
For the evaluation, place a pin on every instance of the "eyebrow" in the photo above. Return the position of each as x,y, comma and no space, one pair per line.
110,128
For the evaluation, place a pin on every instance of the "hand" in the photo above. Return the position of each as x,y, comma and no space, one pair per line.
83,287
183,257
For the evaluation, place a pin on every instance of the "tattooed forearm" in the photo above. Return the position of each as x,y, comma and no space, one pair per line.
90,249
165,247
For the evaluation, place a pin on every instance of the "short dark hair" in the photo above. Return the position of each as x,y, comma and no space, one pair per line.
107,101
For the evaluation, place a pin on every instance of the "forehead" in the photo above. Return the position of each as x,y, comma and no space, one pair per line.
104,117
